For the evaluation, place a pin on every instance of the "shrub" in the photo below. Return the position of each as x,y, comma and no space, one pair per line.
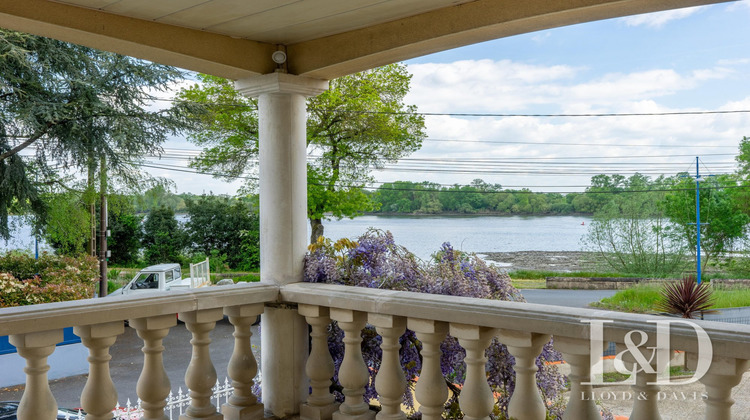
686,297
374,260
26,281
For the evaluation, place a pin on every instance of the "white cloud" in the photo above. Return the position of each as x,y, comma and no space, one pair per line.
659,19
472,85
510,87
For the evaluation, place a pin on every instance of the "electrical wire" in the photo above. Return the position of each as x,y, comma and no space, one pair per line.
373,188
487,114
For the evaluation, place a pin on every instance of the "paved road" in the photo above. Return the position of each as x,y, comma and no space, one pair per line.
127,361
564,297
581,299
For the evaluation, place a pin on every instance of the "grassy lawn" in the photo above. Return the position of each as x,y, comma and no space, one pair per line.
674,371
643,298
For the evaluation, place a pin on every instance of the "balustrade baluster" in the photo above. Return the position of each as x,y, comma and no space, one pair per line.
723,375
645,401
353,373
200,376
431,390
153,384
320,403
37,401
99,396
526,402
581,405
390,381
243,368
476,399
645,405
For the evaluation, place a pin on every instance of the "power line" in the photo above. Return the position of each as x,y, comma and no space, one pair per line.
681,146
527,168
486,114
504,115
372,188
175,153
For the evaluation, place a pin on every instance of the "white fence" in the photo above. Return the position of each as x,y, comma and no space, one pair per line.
176,404
200,274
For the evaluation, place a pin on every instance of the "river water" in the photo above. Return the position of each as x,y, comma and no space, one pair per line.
423,235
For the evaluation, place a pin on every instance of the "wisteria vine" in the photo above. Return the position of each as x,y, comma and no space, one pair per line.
375,260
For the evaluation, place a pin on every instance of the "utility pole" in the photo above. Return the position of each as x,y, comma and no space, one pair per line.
697,220
90,198
103,229
698,223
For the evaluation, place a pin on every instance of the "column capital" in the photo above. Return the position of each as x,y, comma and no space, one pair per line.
280,83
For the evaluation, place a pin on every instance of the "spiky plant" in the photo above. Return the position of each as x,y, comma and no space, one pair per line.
686,297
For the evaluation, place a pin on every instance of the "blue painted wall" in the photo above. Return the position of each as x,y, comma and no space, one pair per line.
68,338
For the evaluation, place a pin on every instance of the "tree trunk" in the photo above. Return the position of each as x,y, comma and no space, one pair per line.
316,226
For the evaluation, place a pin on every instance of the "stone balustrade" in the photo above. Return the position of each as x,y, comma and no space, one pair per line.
523,327
35,330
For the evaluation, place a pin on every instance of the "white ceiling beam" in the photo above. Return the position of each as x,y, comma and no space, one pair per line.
182,47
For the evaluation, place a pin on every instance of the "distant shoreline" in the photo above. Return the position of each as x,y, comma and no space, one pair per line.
478,214
560,261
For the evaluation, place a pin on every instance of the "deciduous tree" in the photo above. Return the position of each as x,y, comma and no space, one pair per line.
163,237
632,234
361,122
722,221
228,227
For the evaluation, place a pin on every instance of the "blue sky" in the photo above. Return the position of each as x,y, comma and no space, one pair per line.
695,59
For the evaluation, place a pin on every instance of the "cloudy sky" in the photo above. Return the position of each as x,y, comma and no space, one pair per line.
690,60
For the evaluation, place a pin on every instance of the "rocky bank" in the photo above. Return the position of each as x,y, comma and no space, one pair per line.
562,261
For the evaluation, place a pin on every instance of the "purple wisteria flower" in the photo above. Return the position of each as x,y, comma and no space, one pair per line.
374,260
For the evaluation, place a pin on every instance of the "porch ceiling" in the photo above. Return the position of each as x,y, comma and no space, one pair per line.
322,38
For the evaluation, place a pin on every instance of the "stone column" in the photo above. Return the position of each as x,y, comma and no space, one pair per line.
283,229
645,392
723,375
576,352
526,402
243,404
431,391
320,404
37,401
99,396
153,385
476,399
200,376
390,381
353,372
